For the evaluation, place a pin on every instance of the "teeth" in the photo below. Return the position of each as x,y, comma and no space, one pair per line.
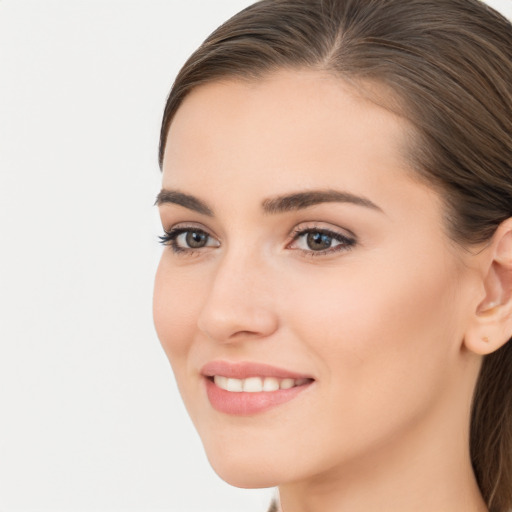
252,384
221,382
256,384
270,384
287,384
235,385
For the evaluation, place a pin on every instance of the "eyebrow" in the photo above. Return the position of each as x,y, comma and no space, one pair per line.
185,200
301,200
275,205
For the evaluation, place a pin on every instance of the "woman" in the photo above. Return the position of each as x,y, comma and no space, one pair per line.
335,294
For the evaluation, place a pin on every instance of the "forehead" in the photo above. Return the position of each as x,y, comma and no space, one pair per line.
286,100
306,127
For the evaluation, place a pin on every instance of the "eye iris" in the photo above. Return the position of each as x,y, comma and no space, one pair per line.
319,241
196,240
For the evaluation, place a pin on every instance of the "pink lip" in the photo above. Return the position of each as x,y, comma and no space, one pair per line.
246,404
243,370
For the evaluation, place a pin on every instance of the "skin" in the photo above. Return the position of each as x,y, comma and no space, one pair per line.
379,325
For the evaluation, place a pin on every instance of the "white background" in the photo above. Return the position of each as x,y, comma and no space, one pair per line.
90,419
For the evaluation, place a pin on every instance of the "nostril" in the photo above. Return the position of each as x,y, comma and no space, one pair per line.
245,334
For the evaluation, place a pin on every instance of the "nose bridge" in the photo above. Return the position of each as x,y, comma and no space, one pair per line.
239,300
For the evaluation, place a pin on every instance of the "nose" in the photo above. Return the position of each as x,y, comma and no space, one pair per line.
239,305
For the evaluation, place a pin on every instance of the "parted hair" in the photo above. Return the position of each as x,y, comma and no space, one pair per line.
446,67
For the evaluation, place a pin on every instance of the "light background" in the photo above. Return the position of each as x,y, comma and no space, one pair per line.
90,419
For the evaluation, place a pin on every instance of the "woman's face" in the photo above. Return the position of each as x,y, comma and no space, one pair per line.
301,254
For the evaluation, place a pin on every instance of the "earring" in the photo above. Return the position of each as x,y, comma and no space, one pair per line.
486,339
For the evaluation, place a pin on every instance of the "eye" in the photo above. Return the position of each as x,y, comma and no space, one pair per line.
192,239
188,239
318,241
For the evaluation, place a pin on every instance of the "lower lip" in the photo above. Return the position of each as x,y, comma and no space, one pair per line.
246,404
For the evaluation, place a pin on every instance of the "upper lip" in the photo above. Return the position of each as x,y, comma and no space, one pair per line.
245,369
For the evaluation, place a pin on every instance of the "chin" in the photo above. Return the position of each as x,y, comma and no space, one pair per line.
249,481
247,472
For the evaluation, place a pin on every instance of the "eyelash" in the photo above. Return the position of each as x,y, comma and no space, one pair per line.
169,238
346,243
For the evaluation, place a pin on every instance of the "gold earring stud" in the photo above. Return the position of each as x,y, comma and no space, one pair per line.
486,339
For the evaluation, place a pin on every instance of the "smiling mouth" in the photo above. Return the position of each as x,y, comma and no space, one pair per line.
247,388
257,384
252,395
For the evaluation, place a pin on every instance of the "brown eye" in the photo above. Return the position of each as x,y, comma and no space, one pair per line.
188,239
320,241
317,241
196,239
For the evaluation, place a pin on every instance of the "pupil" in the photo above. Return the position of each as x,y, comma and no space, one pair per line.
196,240
319,241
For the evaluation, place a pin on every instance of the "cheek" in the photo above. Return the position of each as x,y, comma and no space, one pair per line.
381,337
364,308
174,311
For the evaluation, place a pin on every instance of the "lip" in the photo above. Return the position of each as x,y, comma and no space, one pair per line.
243,370
247,404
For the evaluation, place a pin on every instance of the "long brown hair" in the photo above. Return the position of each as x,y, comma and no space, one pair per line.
448,65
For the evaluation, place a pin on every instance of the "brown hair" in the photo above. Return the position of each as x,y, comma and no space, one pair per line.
448,64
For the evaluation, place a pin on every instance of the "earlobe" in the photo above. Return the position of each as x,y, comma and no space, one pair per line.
491,326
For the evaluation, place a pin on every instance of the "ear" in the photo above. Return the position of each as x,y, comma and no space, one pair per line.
491,325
